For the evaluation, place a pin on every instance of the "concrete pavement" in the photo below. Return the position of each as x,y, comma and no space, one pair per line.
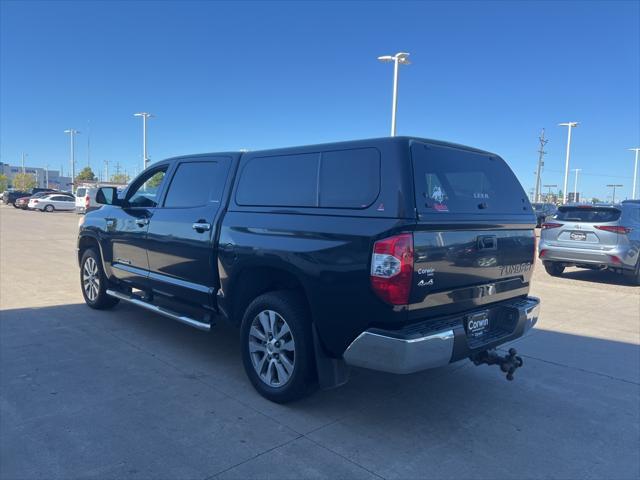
128,394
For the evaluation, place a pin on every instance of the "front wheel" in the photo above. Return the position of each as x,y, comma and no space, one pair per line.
554,268
277,346
94,282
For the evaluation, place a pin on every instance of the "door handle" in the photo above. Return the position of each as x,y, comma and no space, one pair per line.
141,222
201,227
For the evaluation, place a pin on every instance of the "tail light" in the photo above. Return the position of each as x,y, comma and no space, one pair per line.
35,201
547,225
615,259
87,200
392,268
613,228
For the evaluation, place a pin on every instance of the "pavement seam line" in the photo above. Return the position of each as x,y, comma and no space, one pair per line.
344,458
253,458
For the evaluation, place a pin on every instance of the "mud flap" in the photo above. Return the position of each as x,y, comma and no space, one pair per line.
332,372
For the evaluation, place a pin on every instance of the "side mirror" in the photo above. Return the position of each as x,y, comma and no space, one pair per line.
107,196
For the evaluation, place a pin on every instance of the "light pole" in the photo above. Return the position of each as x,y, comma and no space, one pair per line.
635,172
575,185
72,133
614,186
145,116
46,173
566,163
106,170
542,153
399,58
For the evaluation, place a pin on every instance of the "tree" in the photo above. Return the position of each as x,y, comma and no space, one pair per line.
4,182
120,178
86,174
156,180
24,181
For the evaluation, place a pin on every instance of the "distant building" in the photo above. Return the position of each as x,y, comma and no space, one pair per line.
574,197
40,174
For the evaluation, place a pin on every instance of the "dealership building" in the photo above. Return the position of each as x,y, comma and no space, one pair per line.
41,176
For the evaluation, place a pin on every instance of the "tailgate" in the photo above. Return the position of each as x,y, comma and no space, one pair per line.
463,269
474,241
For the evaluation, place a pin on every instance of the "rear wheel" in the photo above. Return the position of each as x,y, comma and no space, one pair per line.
554,268
277,346
94,282
49,208
634,276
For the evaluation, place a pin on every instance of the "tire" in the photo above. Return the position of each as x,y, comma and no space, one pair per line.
554,269
14,205
49,208
282,368
634,276
93,282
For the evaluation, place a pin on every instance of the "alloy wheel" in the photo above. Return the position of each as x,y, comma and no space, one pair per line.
272,348
90,279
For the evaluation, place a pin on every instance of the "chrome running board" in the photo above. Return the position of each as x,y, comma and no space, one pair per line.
162,311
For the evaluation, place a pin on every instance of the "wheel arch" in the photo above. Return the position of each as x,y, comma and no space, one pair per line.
252,281
88,240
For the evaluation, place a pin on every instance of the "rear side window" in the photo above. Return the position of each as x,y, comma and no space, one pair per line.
334,179
81,192
588,214
349,178
197,183
283,181
451,180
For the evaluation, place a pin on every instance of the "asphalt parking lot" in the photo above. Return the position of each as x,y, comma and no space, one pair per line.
128,394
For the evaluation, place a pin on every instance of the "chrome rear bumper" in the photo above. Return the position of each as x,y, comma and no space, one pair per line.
399,355
398,352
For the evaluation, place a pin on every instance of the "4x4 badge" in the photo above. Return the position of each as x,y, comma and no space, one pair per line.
422,283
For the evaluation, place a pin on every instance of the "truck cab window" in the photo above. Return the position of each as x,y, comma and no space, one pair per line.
197,183
144,194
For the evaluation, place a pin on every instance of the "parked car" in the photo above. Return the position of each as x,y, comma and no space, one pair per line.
593,236
543,211
86,199
11,196
52,201
325,256
23,202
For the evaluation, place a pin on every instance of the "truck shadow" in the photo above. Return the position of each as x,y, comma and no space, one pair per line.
574,391
597,276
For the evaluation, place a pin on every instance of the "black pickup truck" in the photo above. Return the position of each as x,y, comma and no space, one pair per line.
395,254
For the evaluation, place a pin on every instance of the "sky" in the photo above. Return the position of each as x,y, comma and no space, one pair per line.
227,76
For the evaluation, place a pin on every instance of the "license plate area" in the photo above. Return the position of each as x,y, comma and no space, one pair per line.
579,236
477,325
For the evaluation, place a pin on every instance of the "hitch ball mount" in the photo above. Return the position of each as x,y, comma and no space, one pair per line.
508,363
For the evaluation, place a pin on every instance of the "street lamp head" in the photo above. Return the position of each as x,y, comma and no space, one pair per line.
403,58
72,131
634,149
569,124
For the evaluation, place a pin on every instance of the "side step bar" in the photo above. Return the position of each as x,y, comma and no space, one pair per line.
162,311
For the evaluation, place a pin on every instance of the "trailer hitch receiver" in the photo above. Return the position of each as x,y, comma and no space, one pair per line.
508,363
